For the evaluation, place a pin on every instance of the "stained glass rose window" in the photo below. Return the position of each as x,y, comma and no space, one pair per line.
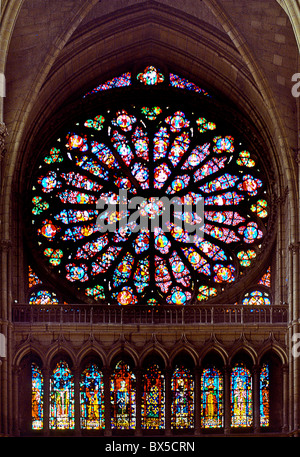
106,178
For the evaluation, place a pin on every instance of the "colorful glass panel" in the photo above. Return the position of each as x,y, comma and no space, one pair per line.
241,397
153,398
91,233
37,399
182,83
182,406
150,76
245,257
33,279
260,208
119,81
256,298
92,398
264,396
43,297
206,292
61,398
266,279
211,398
123,397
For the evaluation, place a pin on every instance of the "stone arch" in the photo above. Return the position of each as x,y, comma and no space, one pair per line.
214,346
26,350
91,350
60,351
156,350
243,351
120,351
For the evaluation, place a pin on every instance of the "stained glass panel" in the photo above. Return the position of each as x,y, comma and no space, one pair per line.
92,398
43,297
182,407
182,83
123,397
62,398
256,298
119,81
150,76
264,396
241,397
153,398
37,401
211,398
87,227
33,279
266,279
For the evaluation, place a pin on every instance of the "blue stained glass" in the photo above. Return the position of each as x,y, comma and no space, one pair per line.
62,398
182,407
264,396
212,398
92,398
241,397
37,400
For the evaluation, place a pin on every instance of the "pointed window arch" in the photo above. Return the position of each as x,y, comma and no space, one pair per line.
241,396
92,398
62,397
182,408
153,398
211,398
37,399
123,397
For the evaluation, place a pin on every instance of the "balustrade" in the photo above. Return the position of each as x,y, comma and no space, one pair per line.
145,315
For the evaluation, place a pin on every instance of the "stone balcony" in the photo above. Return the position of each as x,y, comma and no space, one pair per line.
191,315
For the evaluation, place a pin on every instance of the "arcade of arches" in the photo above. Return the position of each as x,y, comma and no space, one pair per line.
187,326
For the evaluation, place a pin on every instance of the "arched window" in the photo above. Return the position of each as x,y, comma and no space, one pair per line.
92,398
62,397
37,401
256,298
264,396
102,196
123,397
211,398
153,398
182,407
43,297
241,396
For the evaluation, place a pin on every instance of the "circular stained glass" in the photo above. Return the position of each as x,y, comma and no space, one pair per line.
150,205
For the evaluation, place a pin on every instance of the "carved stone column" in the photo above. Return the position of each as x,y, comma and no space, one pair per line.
256,399
168,374
139,377
106,379
227,400
3,134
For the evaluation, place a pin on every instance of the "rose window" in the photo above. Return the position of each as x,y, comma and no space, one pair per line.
149,203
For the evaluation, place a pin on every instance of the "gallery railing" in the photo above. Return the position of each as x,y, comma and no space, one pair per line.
145,315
